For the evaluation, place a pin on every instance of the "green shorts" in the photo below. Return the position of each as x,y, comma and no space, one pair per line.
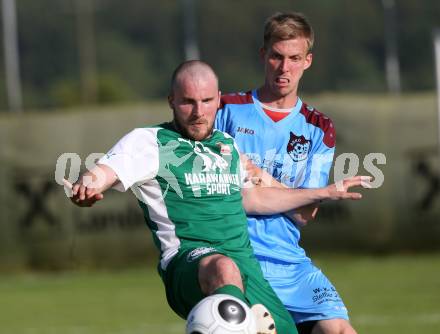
183,290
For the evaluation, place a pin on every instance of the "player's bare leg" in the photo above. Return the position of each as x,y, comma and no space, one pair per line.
216,271
333,326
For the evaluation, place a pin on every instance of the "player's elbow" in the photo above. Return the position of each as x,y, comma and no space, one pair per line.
301,221
248,206
251,201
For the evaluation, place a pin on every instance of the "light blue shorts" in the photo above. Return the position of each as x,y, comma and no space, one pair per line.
304,290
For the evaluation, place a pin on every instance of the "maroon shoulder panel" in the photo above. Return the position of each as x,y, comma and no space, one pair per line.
236,98
321,121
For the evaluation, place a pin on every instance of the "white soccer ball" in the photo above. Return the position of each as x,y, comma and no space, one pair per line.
221,314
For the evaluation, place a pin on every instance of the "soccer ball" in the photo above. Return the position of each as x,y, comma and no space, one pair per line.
221,314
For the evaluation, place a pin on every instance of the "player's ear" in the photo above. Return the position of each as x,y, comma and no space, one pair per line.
308,62
171,101
262,53
219,99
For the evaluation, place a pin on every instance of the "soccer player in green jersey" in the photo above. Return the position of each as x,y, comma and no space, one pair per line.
189,182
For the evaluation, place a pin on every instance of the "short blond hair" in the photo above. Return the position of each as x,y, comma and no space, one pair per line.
283,26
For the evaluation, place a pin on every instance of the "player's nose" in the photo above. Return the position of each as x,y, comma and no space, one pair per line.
284,66
198,109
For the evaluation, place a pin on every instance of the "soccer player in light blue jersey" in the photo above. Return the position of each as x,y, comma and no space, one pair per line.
294,143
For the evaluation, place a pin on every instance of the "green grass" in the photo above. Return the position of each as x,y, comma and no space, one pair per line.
130,301
397,294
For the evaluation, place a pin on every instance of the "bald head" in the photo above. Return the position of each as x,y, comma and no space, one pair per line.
192,70
194,99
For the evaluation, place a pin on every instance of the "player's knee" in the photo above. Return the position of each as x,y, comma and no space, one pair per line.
344,327
216,271
333,326
347,329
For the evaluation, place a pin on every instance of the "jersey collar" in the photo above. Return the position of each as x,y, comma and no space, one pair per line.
259,106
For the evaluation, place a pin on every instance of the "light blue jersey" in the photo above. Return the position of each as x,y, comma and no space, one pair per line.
297,151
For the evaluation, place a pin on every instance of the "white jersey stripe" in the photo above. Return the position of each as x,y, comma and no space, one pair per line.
151,194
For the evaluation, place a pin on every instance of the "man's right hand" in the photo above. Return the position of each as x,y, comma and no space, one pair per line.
84,196
91,185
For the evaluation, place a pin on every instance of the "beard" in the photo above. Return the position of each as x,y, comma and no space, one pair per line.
194,128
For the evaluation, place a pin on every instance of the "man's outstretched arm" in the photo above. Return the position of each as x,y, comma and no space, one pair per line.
272,200
259,177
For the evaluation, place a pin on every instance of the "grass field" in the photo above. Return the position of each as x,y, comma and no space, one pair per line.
396,294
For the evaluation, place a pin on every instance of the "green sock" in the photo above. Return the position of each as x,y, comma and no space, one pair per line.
232,290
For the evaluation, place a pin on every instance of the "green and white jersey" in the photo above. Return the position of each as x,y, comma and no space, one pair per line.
190,191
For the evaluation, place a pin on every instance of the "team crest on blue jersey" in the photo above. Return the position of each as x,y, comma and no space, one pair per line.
298,147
